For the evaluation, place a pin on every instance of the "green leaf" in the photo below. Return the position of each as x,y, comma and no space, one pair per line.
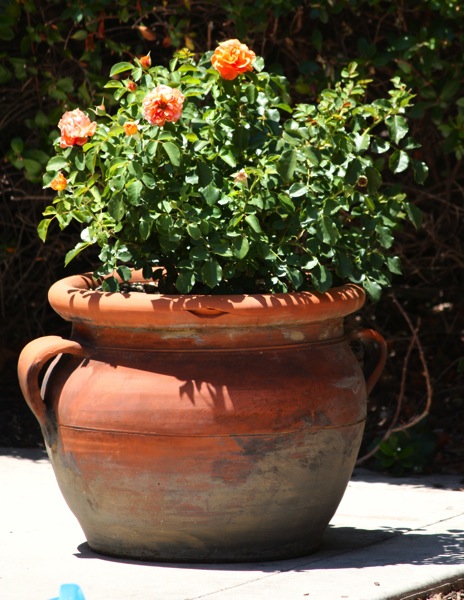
116,208
211,194
228,158
361,141
354,171
258,63
120,68
80,35
79,161
125,273
56,163
397,127
399,161
211,273
286,202
149,180
115,83
328,230
394,265
296,278
185,282
198,253
17,145
151,148
414,214
312,155
240,247
374,180
286,164
173,153
298,189
253,222
345,266
385,237
75,251
42,228
373,289
205,174
379,145
133,192
222,248
110,284
145,228
421,171
123,254
91,159
194,231
136,169
321,277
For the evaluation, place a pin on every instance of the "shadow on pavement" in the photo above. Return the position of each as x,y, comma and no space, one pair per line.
339,551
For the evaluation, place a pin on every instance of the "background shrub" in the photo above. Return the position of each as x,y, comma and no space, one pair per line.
55,55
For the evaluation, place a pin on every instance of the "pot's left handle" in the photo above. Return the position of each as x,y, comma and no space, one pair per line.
375,348
31,361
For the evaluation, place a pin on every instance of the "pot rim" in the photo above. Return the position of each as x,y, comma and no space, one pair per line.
73,300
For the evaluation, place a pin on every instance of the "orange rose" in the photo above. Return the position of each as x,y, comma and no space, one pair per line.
163,104
145,61
130,128
76,128
131,86
232,58
59,183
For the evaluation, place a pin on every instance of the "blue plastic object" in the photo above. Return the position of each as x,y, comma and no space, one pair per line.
70,591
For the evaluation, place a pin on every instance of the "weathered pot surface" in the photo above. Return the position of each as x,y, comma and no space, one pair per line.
209,428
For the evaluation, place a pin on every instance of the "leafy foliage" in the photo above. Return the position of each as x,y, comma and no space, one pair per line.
245,192
407,451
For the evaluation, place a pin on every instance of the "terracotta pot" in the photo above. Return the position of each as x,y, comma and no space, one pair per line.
201,428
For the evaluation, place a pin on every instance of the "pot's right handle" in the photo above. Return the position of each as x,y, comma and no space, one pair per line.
376,353
31,361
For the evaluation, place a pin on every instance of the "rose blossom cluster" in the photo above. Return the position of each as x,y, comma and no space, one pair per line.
163,104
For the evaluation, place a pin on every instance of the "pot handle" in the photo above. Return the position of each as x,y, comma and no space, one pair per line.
376,353
31,361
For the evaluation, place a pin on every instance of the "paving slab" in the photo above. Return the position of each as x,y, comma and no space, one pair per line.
391,539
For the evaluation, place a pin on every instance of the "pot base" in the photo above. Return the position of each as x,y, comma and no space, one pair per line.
212,499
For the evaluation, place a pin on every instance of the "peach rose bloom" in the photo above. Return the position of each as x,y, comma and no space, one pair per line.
231,58
130,128
59,183
163,104
76,128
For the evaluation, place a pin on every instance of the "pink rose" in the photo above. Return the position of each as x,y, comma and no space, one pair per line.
76,128
163,104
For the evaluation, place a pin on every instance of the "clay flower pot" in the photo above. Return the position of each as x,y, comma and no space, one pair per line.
201,428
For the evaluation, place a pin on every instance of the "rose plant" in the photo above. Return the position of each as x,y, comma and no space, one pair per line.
208,179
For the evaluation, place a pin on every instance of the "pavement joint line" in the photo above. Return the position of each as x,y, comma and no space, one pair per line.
422,527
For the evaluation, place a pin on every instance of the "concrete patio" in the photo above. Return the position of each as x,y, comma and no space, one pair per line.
390,539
